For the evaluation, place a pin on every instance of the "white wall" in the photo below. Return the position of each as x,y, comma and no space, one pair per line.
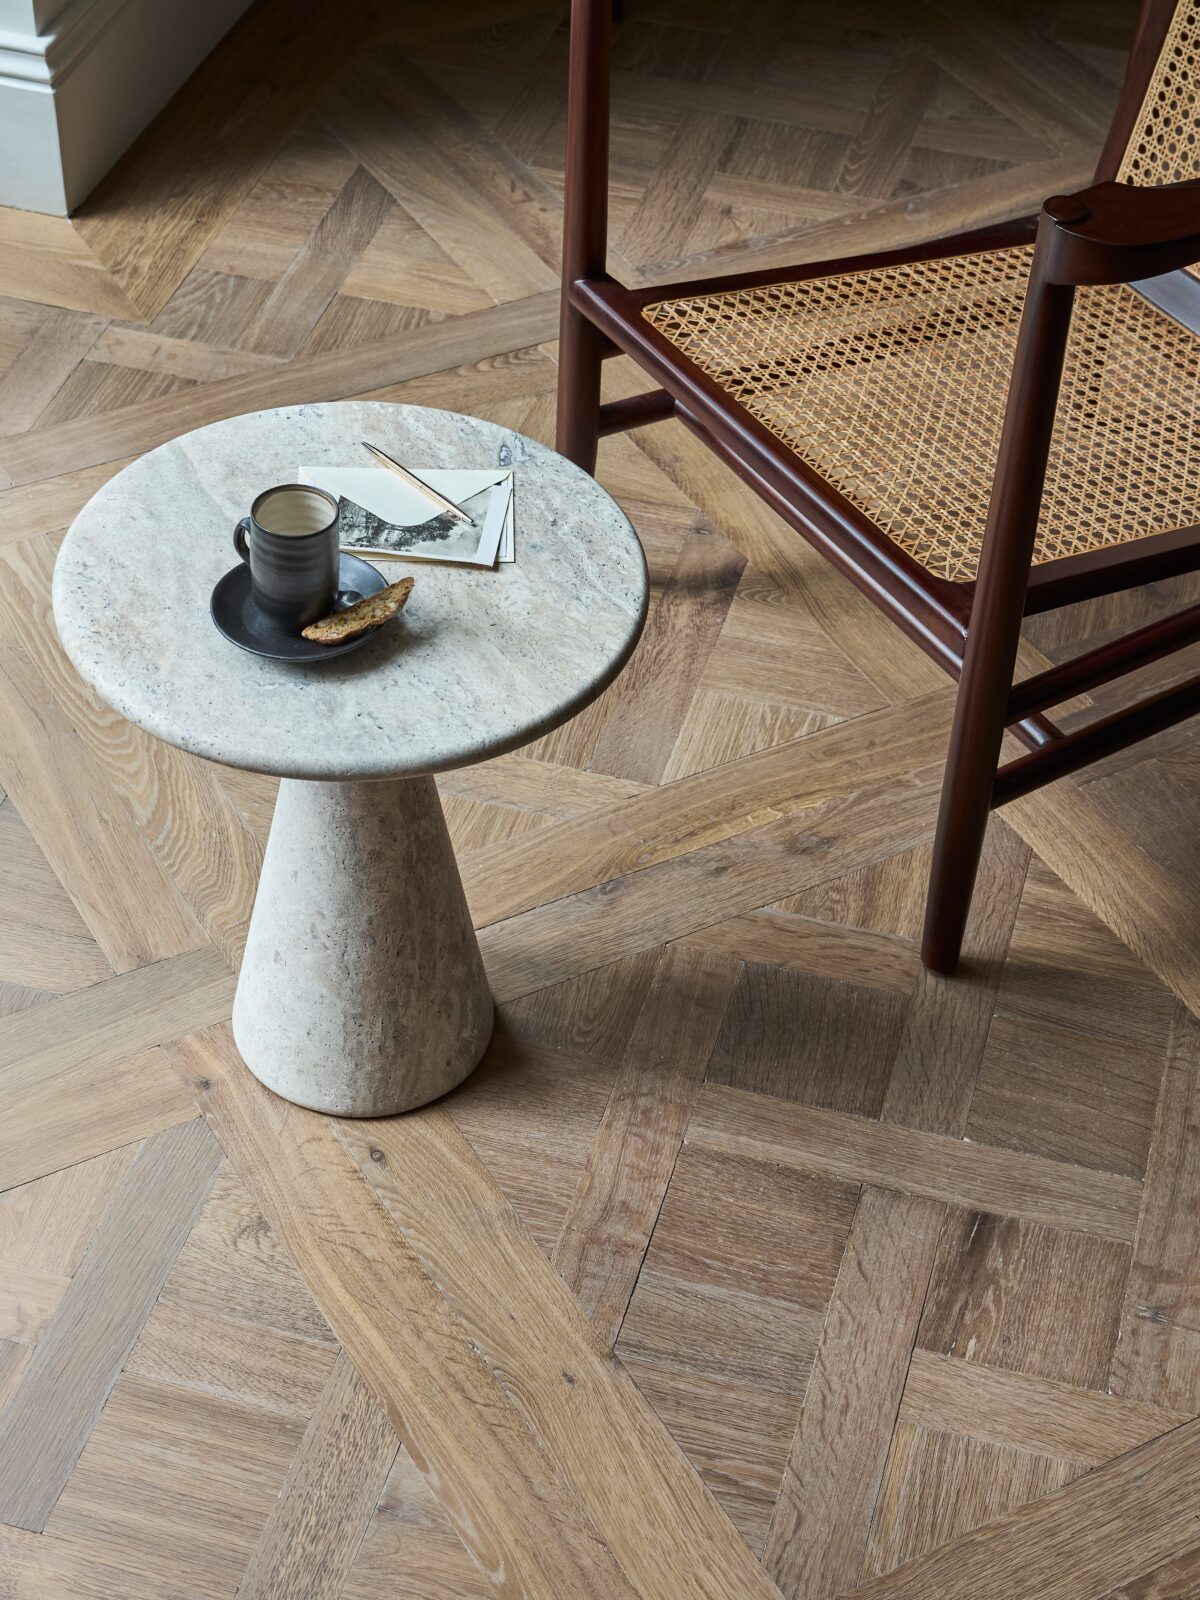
80,79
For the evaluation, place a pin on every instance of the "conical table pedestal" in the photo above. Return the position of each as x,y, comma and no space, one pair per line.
362,991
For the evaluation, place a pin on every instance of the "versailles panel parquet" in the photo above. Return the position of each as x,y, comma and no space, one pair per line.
753,1262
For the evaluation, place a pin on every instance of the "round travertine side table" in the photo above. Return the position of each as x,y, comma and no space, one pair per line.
362,991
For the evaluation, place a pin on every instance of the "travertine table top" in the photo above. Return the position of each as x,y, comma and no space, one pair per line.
478,663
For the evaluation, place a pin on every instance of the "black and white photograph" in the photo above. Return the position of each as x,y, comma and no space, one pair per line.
384,515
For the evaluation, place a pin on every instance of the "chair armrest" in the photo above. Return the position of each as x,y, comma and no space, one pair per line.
1116,232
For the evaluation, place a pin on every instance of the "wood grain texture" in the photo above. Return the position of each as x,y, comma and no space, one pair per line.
301,295
657,1517
1174,1580
50,1414
604,1237
44,365
1152,912
1120,1520
709,807
111,1021
195,163
642,721
822,1517
1037,1414
1159,1351
822,949
528,1536
327,1500
671,898
922,1164
44,260
717,872
337,374
195,838
129,904
54,1118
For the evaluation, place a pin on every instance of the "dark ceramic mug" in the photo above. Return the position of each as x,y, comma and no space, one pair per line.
290,543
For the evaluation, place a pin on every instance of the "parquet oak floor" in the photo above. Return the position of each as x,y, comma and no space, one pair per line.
753,1261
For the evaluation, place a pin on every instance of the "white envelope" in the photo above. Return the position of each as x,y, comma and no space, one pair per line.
415,529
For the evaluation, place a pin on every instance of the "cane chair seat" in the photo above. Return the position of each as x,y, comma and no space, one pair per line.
891,384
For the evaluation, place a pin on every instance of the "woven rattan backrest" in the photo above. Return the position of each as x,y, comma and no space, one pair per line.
1164,144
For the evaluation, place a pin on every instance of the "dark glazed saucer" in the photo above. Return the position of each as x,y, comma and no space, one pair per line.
239,619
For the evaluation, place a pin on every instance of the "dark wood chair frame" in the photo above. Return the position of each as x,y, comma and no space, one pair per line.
1109,233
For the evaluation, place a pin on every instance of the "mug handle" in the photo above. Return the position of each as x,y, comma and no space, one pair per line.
241,537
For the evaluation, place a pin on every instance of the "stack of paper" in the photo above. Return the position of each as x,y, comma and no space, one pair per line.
383,516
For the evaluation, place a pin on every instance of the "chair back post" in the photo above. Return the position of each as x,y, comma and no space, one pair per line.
994,630
585,227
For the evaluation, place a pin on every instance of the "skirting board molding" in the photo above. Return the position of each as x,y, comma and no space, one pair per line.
76,94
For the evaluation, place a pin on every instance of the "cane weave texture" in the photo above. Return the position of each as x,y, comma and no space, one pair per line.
892,382
1164,146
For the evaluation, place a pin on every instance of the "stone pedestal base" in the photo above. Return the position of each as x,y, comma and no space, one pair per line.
362,991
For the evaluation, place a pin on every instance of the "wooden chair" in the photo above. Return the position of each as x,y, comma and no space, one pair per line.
973,430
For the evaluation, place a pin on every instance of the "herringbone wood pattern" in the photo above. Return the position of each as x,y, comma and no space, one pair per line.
901,1275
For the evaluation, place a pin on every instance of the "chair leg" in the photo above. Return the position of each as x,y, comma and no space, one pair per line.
577,426
585,229
963,813
994,632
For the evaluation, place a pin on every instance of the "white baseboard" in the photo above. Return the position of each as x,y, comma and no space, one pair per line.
75,95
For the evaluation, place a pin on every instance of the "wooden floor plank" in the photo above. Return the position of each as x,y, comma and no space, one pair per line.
660,225
776,550
1174,1580
647,704
1035,1414
197,839
314,277
946,1030
604,1237
28,1300
54,1120
807,945
186,1347
44,365
312,1535
922,1164
44,260
173,1483
890,224
411,1550
50,1414
334,376
844,1436
130,906
672,898
45,958
1144,904
151,218
109,1021
873,163
821,1522
545,786
527,1534
1158,1357
666,823
662,1525
1109,1527
428,168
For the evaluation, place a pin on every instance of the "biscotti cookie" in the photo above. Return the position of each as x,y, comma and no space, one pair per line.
339,626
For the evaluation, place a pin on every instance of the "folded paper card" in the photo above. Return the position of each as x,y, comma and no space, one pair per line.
384,516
